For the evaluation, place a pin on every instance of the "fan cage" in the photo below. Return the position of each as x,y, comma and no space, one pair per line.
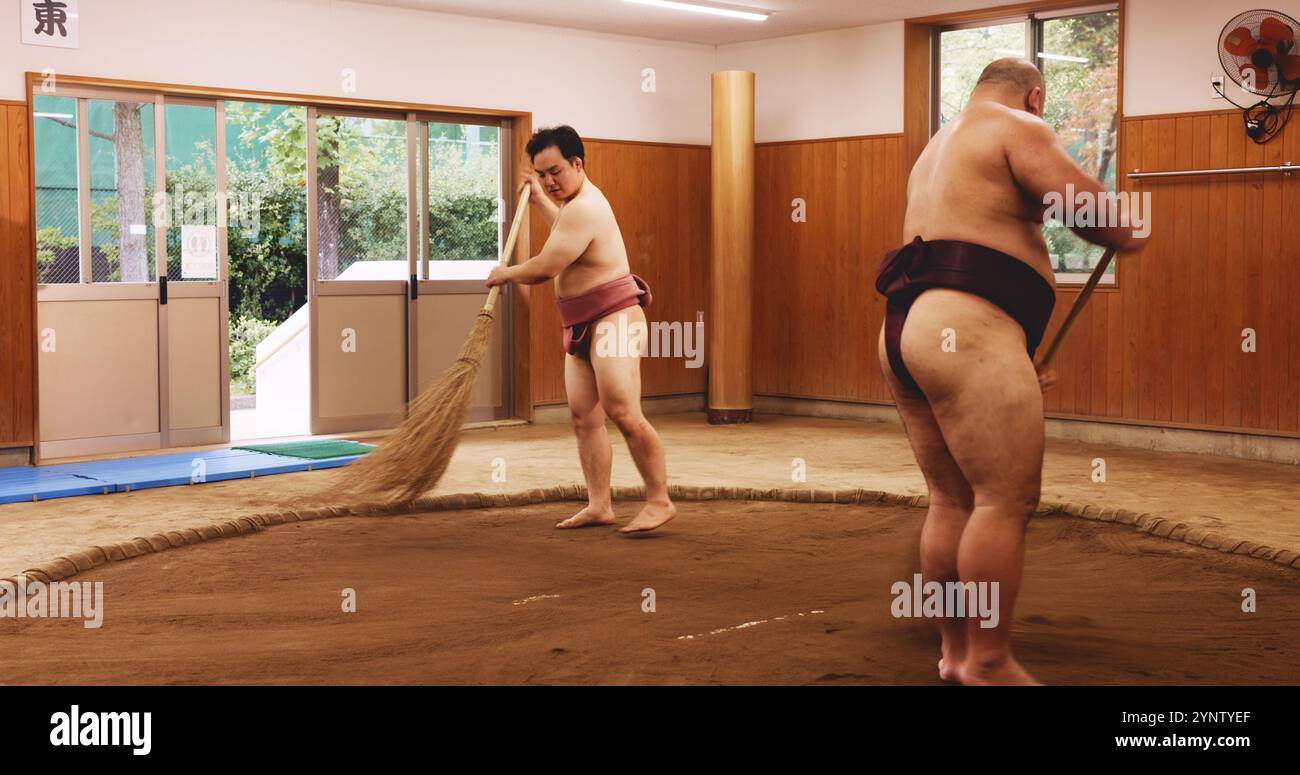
1232,63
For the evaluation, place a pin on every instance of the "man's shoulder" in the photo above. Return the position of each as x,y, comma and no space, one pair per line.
590,204
1022,124
1011,119
1008,129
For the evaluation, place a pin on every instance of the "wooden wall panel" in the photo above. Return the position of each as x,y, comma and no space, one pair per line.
1289,418
1164,348
816,310
17,294
660,195
1222,258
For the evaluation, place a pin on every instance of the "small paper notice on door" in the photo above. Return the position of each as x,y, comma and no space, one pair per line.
198,252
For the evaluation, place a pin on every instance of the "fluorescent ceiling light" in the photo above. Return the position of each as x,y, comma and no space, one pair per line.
753,16
67,116
1062,58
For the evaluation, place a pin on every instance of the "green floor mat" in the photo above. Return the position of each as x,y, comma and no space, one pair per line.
312,449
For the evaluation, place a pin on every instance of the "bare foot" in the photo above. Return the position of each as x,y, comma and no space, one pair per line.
588,517
951,661
652,516
1000,672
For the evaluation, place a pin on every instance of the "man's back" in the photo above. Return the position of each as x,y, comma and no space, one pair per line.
963,187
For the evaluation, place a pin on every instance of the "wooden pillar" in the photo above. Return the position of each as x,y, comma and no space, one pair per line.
18,339
731,261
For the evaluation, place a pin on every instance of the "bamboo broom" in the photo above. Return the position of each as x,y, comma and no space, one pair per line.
413,458
1079,302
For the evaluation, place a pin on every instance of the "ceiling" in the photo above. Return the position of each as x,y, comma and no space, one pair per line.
789,17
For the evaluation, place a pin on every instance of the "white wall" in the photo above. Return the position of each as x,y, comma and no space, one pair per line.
827,84
587,79
830,84
850,82
1171,50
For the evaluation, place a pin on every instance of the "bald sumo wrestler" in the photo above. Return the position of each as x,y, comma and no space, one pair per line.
975,272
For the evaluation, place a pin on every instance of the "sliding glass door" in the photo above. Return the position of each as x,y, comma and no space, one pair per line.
406,217
360,247
194,353
464,219
127,361
361,243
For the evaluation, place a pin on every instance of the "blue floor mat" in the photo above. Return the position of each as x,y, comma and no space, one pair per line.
94,477
138,473
27,483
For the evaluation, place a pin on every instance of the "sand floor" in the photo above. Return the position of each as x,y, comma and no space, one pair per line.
1238,498
773,593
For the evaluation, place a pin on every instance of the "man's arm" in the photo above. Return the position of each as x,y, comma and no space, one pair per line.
1041,167
546,207
569,239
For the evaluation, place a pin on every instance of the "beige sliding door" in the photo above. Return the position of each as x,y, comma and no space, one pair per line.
359,267
131,318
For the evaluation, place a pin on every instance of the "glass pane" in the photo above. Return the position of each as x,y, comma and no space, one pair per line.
58,254
192,248
121,191
465,206
266,172
1080,62
963,55
361,198
266,183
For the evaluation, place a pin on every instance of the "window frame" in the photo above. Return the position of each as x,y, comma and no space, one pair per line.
83,95
505,172
1034,19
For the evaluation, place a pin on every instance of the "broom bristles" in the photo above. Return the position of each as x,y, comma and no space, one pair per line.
413,458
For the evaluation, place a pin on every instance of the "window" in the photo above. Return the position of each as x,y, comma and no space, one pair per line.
190,142
362,198
93,209
965,53
1078,53
58,245
466,212
266,180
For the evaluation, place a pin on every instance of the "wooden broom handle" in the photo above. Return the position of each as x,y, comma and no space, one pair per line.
1088,288
509,252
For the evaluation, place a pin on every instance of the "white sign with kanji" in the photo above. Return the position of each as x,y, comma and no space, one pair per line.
50,22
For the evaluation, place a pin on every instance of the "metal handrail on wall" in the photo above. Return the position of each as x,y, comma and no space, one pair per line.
1285,169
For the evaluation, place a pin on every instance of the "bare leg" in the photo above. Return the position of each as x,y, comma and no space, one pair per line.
593,444
951,501
618,378
986,400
